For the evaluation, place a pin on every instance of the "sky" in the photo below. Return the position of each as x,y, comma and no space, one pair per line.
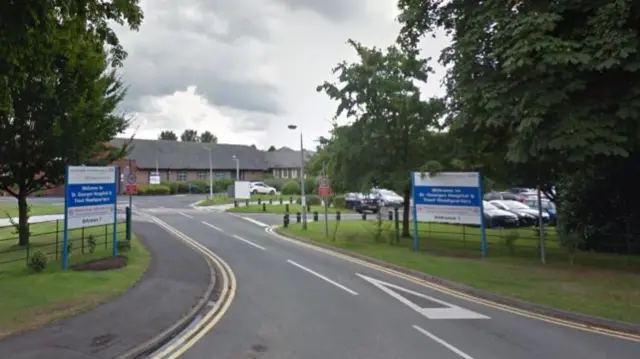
246,69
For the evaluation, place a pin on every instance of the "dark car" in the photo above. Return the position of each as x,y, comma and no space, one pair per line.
492,196
496,217
361,202
547,206
351,200
527,216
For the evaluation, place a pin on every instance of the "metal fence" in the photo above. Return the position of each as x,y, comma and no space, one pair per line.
48,237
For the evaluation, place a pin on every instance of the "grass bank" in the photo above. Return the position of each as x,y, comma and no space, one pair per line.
282,209
596,284
218,200
11,209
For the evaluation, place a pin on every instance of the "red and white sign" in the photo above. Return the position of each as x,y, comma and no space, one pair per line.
325,191
132,189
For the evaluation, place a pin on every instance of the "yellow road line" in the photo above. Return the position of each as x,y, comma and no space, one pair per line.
464,296
188,338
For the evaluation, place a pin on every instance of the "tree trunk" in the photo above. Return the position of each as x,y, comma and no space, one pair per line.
23,220
405,213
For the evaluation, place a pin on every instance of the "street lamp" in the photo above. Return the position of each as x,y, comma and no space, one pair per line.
210,174
303,201
237,167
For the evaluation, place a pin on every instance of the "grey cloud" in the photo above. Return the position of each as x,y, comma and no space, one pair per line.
335,10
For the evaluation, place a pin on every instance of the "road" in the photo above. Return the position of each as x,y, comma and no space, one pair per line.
296,302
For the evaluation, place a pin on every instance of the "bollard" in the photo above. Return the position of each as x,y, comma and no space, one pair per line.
246,202
291,199
259,200
391,215
128,220
280,200
298,217
397,224
270,201
286,208
264,207
235,203
308,208
286,220
364,216
315,216
337,215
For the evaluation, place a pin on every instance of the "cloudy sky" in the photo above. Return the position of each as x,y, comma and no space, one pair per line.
245,69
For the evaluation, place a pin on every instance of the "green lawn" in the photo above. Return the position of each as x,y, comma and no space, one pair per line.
11,209
597,284
282,209
30,300
254,198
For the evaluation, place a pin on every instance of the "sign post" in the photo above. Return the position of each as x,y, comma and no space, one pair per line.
448,197
324,190
90,199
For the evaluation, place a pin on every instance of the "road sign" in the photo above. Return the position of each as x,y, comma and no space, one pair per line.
325,191
132,189
154,178
90,200
131,178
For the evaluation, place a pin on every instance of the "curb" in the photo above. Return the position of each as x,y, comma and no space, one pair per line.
584,319
157,342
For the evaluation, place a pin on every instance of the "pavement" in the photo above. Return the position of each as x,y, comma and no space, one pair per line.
177,279
293,301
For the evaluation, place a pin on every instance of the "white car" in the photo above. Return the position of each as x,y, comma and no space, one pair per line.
261,188
387,198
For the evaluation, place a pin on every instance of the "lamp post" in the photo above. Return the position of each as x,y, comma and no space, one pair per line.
210,174
303,201
237,167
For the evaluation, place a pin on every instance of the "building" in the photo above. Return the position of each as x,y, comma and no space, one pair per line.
285,162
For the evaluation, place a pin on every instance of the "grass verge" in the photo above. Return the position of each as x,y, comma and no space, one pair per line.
591,286
31,300
254,198
11,209
282,209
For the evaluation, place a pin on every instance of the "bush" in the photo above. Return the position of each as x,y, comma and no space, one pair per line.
291,187
153,189
312,200
38,261
338,202
123,246
276,183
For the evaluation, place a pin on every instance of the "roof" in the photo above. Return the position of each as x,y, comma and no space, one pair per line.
192,155
286,158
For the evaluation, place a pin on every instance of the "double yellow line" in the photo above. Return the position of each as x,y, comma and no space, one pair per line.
188,338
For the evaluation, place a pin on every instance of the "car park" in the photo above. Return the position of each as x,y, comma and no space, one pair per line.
387,198
496,217
547,206
492,196
527,216
261,188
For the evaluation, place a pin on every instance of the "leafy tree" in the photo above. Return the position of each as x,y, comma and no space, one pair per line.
392,126
208,137
271,149
58,99
168,135
253,146
189,135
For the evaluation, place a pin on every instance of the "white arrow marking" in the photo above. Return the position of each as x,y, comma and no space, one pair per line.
450,312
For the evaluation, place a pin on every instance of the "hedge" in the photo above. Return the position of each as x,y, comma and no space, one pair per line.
153,189
199,186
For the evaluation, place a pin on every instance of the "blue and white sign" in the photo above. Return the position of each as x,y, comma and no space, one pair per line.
90,200
448,197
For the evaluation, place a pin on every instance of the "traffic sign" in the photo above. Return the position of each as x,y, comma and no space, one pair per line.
132,189
131,178
325,191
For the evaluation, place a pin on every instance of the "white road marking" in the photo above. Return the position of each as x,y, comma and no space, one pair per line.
255,222
249,242
451,311
323,277
443,343
212,226
186,215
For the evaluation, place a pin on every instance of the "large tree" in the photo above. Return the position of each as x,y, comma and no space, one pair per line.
208,137
271,149
59,91
392,125
189,135
168,135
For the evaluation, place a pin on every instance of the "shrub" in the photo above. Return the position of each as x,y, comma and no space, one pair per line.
153,189
276,183
291,187
38,261
312,200
338,202
123,245
510,240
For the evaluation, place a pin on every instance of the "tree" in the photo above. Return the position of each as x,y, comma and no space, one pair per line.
168,135
392,126
253,146
189,136
208,137
58,100
271,149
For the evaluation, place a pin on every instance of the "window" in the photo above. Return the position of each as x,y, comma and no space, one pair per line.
182,175
276,173
285,173
294,173
219,175
202,175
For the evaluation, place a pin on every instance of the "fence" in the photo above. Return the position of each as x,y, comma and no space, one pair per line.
524,243
48,238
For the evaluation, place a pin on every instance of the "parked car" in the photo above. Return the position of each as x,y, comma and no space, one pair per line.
547,206
496,217
360,203
261,188
492,196
527,216
352,200
387,198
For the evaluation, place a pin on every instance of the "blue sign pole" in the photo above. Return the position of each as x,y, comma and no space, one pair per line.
483,228
416,238
114,245
65,240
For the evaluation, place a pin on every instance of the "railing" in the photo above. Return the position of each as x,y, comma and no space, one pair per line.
48,237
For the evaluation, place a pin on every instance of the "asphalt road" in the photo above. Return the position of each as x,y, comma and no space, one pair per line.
294,302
